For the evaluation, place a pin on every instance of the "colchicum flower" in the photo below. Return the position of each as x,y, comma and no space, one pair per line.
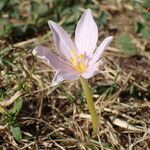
75,60
79,60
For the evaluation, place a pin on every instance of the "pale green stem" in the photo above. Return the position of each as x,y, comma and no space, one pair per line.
90,103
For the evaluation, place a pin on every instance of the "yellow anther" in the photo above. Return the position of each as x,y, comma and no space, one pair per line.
78,61
81,56
82,66
74,58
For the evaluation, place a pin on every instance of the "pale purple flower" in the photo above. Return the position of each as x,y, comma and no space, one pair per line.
78,59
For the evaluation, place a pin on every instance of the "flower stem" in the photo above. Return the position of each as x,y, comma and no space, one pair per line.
90,103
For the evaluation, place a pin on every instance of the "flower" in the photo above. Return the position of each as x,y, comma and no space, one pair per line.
78,59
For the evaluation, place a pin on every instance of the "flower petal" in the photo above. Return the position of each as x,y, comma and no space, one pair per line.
50,58
98,53
64,74
62,40
91,71
86,34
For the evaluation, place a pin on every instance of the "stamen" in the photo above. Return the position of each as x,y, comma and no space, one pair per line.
78,61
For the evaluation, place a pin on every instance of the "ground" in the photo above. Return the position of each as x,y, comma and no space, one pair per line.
46,117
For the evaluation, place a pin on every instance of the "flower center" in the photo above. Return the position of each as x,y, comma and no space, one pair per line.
78,61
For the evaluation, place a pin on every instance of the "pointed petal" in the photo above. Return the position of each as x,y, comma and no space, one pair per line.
98,53
62,40
63,74
57,79
86,34
50,58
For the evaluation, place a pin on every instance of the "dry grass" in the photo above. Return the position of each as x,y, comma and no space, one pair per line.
57,117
